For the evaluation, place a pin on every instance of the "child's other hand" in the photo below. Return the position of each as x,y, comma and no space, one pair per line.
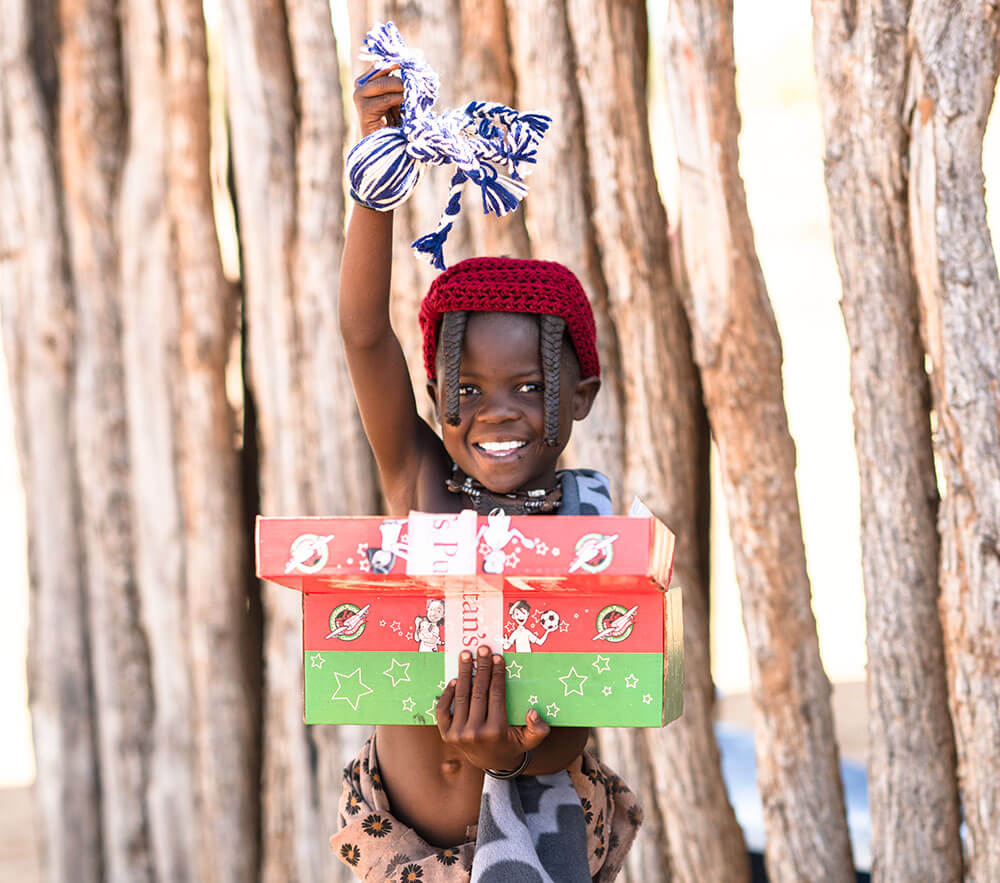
478,724
377,97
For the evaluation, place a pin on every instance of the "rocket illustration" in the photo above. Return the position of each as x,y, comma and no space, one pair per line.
618,626
306,551
589,550
351,624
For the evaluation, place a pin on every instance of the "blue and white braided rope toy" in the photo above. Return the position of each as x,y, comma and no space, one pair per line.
489,144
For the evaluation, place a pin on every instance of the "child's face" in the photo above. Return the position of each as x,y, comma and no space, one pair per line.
519,615
500,438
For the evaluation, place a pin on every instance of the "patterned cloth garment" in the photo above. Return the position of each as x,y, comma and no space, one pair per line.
377,846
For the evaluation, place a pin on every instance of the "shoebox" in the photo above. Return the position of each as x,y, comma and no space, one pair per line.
578,605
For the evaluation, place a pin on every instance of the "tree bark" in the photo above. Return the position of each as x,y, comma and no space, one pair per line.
209,490
149,298
91,133
558,213
862,60
953,75
36,306
487,75
737,349
665,461
287,126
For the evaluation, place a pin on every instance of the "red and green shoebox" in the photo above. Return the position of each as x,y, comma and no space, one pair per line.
579,606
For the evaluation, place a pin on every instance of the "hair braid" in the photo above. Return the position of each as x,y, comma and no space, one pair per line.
551,330
452,338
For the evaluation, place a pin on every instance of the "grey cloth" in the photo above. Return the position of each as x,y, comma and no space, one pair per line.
532,828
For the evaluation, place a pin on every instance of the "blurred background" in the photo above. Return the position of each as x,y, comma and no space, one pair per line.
781,160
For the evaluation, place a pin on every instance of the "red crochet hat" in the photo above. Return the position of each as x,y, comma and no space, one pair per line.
512,285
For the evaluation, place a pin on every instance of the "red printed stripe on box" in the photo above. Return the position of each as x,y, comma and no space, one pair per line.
533,622
296,551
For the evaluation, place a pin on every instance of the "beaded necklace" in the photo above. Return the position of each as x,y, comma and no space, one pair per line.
539,501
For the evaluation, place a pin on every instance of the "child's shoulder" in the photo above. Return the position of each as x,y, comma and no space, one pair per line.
585,492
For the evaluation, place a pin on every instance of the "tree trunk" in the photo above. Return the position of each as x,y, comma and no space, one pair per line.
487,75
737,348
149,294
665,461
36,306
151,478
953,75
92,126
558,212
287,136
862,64
209,490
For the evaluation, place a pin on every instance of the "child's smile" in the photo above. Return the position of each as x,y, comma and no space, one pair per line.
500,439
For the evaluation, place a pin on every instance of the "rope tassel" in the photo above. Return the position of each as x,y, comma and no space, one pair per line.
491,145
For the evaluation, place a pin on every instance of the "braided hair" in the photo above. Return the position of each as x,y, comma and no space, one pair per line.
550,331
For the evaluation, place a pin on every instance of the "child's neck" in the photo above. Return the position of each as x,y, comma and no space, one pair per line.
536,501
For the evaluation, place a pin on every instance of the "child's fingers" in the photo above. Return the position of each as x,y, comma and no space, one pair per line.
480,688
463,687
498,692
534,731
389,86
442,711
374,73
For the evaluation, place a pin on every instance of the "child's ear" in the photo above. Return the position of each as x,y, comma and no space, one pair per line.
432,391
584,395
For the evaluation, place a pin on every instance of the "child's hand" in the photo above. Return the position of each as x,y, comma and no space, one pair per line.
377,98
478,725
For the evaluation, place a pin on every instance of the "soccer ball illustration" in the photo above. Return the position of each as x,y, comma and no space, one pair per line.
549,620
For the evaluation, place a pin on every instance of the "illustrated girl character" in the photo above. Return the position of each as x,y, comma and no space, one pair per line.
522,637
496,533
427,629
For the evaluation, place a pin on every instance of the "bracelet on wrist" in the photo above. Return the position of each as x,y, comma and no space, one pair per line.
511,774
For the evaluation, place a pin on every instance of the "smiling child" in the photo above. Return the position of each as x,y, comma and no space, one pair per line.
511,360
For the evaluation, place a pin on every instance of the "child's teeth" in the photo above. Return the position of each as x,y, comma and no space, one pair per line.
498,447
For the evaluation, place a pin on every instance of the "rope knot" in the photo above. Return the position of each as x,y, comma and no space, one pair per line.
490,144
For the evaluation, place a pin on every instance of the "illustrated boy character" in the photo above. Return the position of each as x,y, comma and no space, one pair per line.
511,360
522,637
427,629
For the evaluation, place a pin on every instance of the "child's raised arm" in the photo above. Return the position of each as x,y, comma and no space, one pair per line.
398,437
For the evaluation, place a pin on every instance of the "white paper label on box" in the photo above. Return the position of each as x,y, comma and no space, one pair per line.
473,616
442,545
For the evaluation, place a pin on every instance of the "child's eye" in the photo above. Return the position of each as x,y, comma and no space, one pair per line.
531,386
467,389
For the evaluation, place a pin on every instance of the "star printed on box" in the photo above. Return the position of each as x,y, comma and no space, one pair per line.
647,699
552,710
631,681
350,687
532,699
514,670
573,682
602,663
432,711
409,704
607,691
397,672
317,660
